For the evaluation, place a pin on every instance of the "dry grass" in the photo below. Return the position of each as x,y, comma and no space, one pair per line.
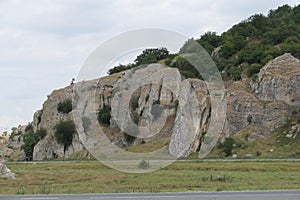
93,177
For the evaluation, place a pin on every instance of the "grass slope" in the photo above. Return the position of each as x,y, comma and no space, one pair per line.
276,145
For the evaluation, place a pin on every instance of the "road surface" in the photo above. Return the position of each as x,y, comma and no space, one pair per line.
253,195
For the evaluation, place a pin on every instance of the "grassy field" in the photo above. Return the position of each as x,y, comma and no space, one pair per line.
93,177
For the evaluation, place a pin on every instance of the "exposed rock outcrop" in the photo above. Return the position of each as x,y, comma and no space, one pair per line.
155,89
5,172
268,102
192,118
245,109
48,118
10,145
148,96
279,80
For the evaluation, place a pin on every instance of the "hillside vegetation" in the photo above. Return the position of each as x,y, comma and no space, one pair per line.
244,48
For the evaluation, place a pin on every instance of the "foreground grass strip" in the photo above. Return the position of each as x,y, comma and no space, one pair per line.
93,177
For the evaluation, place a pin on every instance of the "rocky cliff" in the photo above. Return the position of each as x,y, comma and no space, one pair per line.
279,80
152,102
48,118
264,104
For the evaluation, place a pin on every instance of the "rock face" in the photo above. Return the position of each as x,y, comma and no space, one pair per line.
153,102
264,104
244,109
192,118
10,146
5,172
48,118
155,96
279,80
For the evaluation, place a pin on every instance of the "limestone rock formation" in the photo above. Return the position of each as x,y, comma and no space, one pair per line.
279,80
155,89
192,118
155,98
244,109
48,118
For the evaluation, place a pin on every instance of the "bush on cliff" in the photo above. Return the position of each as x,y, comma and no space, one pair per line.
64,132
104,115
65,106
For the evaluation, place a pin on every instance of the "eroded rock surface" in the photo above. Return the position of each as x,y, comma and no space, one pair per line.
279,80
192,118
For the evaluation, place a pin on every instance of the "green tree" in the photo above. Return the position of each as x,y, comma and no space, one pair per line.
210,40
234,73
253,69
29,128
30,140
64,132
120,68
252,54
185,68
228,49
151,56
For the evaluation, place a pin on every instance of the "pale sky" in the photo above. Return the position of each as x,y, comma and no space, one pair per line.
43,43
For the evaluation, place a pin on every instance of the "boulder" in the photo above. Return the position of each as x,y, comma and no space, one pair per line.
5,172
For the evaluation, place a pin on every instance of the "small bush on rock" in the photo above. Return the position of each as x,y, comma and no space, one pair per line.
65,106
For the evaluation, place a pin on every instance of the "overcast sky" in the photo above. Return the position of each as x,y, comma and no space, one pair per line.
43,43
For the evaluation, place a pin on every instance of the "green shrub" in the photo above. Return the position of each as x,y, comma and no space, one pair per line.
104,115
65,106
120,68
235,73
64,132
249,119
129,138
134,102
253,69
227,146
170,58
30,140
176,102
29,127
135,117
185,68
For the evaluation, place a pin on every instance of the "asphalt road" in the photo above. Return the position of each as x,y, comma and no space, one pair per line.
253,195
